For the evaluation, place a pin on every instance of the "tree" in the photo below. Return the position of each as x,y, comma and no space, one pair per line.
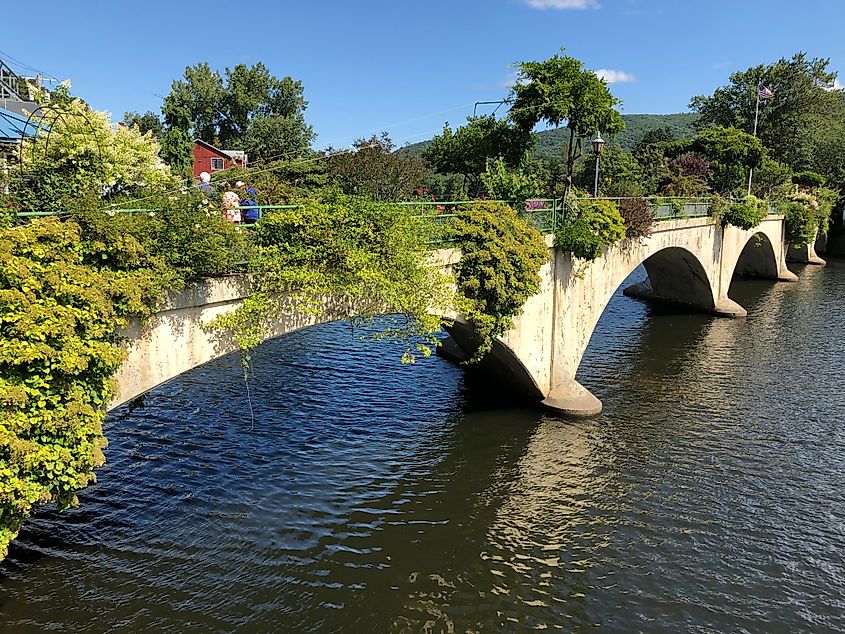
795,122
561,90
270,136
195,103
655,136
374,170
655,166
619,173
147,122
177,150
249,109
514,186
468,150
730,153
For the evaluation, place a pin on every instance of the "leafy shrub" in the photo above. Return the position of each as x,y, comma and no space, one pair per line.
514,186
499,268
370,257
746,214
807,215
184,235
828,198
596,225
58,324
801,223
638,217
808,179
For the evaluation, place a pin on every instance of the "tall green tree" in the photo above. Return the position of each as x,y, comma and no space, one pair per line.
246,108
196,101
805,109
469,148
619,173
374,170
560,90
729,152
147,122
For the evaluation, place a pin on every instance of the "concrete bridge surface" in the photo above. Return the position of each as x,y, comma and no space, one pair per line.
689,262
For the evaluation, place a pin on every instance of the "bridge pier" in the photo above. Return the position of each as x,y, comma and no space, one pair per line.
723,307
804,255
572,399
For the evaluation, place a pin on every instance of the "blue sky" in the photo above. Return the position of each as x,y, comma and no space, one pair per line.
406,67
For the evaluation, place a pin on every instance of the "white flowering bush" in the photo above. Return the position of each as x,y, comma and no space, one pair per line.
78,156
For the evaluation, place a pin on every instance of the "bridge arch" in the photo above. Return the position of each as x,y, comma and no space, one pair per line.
757,259
502,364
675,275
689,262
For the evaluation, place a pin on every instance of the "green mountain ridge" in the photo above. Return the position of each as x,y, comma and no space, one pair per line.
550,142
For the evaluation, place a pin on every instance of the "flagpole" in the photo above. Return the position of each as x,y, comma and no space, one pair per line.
756,118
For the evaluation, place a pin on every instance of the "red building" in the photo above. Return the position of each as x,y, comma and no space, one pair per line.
208,158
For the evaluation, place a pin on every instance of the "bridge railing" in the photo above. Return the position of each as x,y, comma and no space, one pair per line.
542,213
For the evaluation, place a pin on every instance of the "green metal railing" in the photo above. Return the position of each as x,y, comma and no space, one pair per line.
542,213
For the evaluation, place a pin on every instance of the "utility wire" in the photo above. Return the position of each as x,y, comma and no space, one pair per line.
47,76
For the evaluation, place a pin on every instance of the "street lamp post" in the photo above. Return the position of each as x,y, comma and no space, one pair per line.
598,145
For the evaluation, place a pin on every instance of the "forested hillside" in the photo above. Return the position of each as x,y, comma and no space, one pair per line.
636,125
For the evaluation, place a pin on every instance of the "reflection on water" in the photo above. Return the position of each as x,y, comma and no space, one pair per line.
370,496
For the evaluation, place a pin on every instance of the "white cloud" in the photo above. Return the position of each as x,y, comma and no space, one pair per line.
837,85
615,76
512,80
562,4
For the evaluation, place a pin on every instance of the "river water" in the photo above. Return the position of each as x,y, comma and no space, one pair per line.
368,496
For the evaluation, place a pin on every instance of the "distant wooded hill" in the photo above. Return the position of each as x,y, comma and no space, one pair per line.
549,142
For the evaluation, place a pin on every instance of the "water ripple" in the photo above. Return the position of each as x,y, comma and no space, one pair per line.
371,496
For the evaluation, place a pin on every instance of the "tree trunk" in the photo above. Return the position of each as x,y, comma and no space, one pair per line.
570,164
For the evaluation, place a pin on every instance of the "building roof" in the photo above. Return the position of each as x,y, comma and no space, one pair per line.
13,126
237,155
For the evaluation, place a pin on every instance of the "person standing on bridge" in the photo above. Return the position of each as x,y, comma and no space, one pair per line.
205,185
249,199
231,201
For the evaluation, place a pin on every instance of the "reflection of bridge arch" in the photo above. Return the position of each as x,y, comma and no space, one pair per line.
688,261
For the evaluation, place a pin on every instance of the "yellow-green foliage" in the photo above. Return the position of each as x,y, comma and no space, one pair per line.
340,256
499,268
589,227
58,350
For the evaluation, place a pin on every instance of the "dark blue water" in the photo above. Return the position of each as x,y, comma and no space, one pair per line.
368,496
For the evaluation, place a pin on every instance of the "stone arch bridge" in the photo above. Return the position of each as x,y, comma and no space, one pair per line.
689,262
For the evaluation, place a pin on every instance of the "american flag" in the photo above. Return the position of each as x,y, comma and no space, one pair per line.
763,92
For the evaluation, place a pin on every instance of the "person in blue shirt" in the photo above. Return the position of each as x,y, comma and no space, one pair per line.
248,200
